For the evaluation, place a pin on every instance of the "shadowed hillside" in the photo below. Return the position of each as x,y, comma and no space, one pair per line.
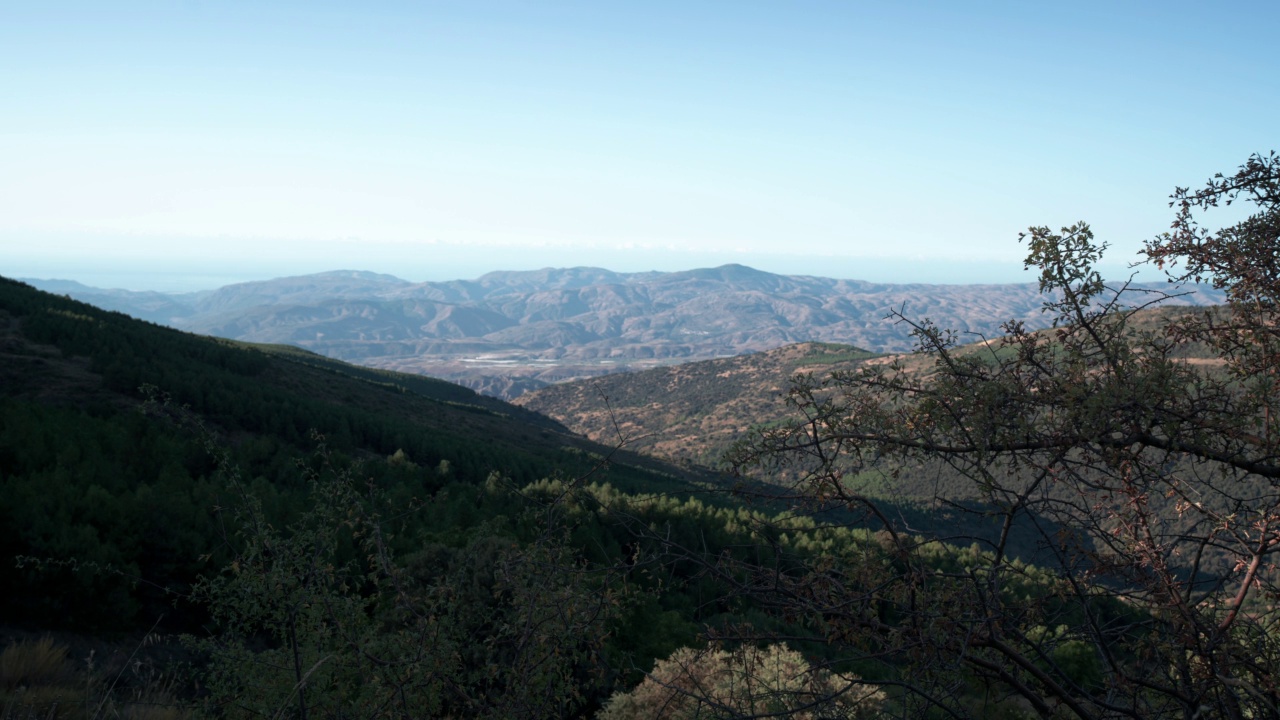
88,475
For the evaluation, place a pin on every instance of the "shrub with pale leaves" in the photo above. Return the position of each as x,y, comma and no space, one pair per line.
716,683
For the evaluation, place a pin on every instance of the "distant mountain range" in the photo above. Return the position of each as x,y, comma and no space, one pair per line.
509,332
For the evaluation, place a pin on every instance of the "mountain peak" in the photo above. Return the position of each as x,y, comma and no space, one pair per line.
729,272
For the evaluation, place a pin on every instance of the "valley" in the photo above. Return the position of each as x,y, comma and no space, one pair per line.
639,361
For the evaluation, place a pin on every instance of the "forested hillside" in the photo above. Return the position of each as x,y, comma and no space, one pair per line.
696,414
90,473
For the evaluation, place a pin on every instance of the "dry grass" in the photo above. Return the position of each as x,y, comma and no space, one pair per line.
42,662
43,703
39,682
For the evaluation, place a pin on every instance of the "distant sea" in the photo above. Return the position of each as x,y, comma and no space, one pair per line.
166,282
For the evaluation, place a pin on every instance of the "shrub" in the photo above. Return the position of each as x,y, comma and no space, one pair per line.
713,683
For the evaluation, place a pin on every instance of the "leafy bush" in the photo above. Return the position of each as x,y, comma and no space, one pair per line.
715,683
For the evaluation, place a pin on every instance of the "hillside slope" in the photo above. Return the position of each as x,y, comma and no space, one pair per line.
693,412
92,475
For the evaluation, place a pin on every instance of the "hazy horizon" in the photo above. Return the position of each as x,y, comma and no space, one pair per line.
183,146
874,270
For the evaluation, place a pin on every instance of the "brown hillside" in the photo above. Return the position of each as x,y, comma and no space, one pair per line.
690,412
695,411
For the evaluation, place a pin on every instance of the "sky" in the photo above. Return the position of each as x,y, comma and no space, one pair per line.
184,145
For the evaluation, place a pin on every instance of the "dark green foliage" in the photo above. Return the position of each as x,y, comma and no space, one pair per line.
110,509
321,618
107,516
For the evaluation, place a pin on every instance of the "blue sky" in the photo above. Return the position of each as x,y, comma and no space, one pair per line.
185,144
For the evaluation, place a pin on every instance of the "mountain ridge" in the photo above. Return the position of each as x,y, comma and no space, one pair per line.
509,331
